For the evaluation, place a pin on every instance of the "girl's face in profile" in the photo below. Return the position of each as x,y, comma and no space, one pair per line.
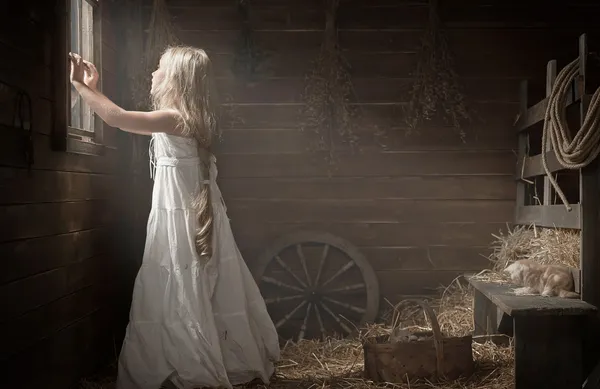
157,76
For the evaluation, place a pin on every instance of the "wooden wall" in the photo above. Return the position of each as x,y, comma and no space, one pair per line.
425,209
57,245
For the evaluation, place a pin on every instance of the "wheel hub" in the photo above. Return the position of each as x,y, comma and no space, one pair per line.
313,296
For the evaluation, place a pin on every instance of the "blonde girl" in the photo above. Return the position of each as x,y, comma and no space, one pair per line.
197,318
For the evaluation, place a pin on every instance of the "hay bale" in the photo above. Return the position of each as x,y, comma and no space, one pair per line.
544,245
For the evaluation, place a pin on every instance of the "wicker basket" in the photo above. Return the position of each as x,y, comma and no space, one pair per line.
437,358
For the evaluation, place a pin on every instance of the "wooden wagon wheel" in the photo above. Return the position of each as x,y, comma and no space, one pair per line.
284,277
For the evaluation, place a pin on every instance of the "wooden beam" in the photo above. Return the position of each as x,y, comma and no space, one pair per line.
550,80
537,112
523,140
589,188
533,115
551,216
532,166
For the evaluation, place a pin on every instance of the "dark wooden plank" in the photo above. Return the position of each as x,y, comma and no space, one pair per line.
19,70
19,186
63,359
405,258
537,112
589,189
517,306
533,167
425,234
548,344
381,64
41,112
24,331
576,273
496,116
109,30
24,221
25,258
485,321
463,41
533,115
109,59
432,187
110,87
278,141
41,289
522,142
363,165
551,216
401,282
19,31
371,211
373,3
358,16
46,159
367,90
551,70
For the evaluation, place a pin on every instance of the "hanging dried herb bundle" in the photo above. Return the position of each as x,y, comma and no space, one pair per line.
436,92
328,90
161,33
248,55
142,59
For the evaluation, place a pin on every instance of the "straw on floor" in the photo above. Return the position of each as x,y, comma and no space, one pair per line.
338,363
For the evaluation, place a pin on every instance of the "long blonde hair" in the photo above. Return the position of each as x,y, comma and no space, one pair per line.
188,87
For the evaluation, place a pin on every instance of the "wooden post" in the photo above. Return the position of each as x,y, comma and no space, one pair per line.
522,148
589,188
588,191
550,79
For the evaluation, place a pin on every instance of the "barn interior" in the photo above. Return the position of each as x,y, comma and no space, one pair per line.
401,139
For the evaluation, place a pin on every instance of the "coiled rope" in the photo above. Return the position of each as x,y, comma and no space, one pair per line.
571,152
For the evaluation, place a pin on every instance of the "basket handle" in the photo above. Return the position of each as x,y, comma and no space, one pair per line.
435,326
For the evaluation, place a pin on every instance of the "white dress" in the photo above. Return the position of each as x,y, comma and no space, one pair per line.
203,324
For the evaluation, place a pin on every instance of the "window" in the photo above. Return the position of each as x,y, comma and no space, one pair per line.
77,128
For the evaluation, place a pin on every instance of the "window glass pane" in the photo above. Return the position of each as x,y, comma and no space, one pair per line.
75,108
75,23
75,48
87,31
87,52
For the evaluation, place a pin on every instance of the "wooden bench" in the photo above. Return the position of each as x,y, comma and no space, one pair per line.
547,333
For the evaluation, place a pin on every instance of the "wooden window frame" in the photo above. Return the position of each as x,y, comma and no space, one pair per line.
65,137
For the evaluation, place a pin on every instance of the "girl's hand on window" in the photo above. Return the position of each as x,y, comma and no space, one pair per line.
77,68
91,75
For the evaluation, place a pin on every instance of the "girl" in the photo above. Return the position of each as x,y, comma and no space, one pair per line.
197,318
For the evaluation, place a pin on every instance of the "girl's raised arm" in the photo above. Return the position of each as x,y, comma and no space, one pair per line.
136,122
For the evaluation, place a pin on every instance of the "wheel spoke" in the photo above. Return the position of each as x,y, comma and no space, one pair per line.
344,269
287,317
346,305
320,320
305,323
322,263
273,281
346,288
289,271
275,300
327,290
303,262
337,319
